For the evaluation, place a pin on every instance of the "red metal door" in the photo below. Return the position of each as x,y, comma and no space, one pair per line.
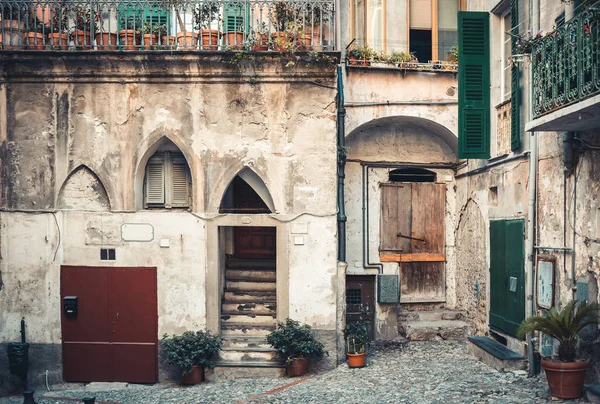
114,336
254,242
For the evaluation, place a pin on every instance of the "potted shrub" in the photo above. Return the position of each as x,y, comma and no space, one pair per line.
130,31
191,352
167,41
361,55
35,36
399,58
258,40
295,344
565,373
57,29
281,15
13,27
83,22
356,336
204,15
150,35
316,17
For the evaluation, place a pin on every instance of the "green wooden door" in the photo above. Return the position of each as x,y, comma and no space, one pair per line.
507,275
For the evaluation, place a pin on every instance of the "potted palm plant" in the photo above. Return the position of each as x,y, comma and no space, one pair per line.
204,15
191,352
295,344
564,372
356,336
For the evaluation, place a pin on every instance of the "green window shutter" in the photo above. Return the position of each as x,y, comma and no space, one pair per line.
237,17
157,16
515,91
473,85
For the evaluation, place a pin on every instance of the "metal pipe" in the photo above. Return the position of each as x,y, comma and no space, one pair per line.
365,208
493,164
341,167
573,261
380,103
567,249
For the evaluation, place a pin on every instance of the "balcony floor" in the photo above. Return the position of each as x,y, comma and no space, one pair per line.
582,116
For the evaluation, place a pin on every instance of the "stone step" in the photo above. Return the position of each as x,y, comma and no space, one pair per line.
249,297
248,307
233,370
250,286
430,315
229,329
436,330
245,342
496,355
245,354
266,320
246,263
250,276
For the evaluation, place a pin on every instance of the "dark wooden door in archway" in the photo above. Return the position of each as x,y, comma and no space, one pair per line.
254,242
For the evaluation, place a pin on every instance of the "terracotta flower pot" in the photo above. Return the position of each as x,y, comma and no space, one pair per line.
150,41
235,40
81,39
35,41
353,60
565,378
210,39
356,360
196,376
297,367
261,44
58,41
107,41
304,42
130,39
281,41
168,41
13,34
187,40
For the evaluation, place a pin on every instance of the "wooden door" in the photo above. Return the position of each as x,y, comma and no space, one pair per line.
115,333
254,242
412,234
360,300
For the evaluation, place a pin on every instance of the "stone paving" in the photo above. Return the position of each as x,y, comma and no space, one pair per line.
423,372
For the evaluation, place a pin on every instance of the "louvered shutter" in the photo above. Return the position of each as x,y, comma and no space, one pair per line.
473,85
237,17
155,181
180,187
515,91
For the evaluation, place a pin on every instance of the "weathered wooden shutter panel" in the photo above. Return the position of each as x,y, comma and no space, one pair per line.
428,210
473,85
155,180
180,181
515,91
395,218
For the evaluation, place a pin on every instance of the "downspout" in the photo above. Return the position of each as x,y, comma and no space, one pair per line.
341,167
365,222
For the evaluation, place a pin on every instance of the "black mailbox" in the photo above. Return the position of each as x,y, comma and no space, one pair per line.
70,306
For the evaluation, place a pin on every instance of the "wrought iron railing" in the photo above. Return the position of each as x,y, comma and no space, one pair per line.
566,64
252,25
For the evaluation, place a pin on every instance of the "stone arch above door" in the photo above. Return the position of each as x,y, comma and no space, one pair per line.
251,179
83,190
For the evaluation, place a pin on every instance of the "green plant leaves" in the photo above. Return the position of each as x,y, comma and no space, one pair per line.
295,340
190,348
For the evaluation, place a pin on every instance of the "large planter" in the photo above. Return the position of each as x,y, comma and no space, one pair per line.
187,40
81,39
13,34
196,376
35,41
130,39
565,378
210,39
58,41
150,41
297,367
107,41
356,360
235,40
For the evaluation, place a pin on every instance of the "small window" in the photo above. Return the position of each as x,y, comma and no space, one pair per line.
167,183
353,296
107,254
412,175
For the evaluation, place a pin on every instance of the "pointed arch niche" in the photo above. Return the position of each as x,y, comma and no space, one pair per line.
83,190
247,193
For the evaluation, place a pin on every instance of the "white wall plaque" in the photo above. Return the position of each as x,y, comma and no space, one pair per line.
137,232
545,282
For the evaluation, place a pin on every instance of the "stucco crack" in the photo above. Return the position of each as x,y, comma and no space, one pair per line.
462,212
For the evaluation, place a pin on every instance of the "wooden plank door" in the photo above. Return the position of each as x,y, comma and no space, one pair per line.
360,301
114,336
254,242
413,234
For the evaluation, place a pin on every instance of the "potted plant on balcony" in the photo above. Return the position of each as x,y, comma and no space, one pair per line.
565,373
106,40
280,16
258,40
204,15
57,29
356,336
295,343
191,352
83,22
12,31
399,58
35,36
150,34
235,39
130,31
361,55
316,18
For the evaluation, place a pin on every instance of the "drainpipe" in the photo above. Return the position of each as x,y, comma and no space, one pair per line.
365,222
341,167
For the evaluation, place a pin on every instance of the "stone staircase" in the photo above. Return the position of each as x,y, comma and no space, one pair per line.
248,314
432,325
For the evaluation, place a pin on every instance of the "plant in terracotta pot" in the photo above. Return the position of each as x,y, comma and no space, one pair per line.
258,40
12,31
295,343
84,21
191,352
399,58
564,372
106,40
57,28
205,15
166,41
235,38
130,31
361,55
316,18
150,34
281,15
356,335
35,36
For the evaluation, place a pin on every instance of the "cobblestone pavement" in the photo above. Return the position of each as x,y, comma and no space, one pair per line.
423,372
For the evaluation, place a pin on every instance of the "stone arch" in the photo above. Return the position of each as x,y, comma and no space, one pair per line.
83,190
256,183
160,141
394,136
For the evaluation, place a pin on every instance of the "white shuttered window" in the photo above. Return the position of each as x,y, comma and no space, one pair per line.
167,182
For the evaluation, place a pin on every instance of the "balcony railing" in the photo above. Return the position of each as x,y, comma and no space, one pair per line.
251,25
566,64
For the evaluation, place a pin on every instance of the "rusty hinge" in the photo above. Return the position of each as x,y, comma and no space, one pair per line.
411,238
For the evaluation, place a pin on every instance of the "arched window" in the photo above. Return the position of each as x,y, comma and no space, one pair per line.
168,182
247,193
412,175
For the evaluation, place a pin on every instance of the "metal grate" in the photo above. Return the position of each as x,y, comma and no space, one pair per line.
353,296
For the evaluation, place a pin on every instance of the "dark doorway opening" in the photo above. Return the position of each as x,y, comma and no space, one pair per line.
411,174
240,197
420,44
360,301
